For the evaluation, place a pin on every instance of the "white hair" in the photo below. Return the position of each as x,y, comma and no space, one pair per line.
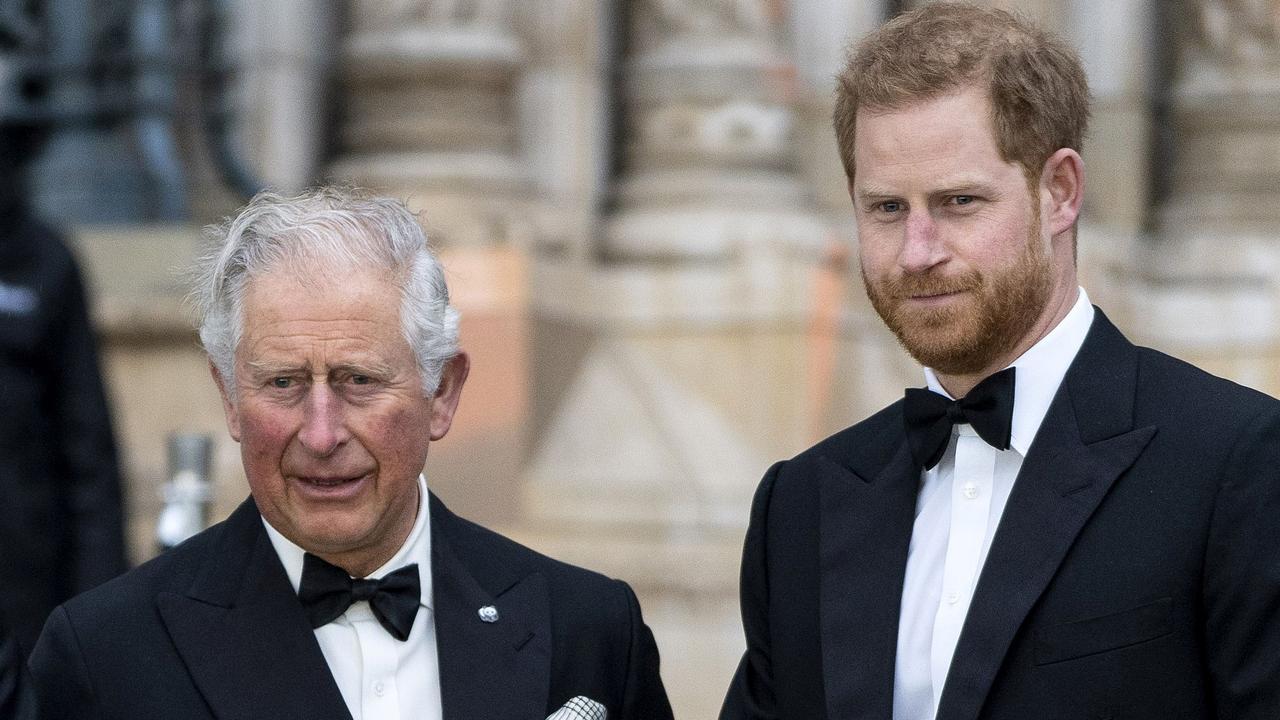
344,228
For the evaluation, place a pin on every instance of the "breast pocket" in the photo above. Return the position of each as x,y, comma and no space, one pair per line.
1090,636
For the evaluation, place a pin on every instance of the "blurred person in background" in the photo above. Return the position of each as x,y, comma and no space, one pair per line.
61,521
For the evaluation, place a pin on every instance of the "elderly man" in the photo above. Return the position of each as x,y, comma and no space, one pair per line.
1061,524
342,588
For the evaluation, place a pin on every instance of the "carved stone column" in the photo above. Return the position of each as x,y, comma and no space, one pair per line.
705,261
1116,41
709,134
285,52
1210,280
674,356
430,113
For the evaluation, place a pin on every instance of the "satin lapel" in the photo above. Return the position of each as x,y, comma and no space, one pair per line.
1086,441
243,635
495,670
865,531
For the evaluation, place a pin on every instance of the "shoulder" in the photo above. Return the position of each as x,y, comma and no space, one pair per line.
1167,392
863,449
574,590
873,439
1193,405
1166,375
132,594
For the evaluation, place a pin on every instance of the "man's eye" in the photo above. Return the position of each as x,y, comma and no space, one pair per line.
891,206
963,199
361,379
281,382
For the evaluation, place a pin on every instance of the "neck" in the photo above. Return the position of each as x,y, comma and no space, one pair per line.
357,566
959,385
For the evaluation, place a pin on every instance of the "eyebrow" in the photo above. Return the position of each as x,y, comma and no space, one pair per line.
875,194
957,186
376,369
267,367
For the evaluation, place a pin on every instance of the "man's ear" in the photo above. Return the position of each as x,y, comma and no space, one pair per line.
228,405
1061,190
445,402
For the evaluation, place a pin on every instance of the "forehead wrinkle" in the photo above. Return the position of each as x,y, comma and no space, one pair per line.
290,336
326,342
371,366
960,183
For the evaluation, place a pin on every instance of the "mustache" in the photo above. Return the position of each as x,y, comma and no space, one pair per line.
930,283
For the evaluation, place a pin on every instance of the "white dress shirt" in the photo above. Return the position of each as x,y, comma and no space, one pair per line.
381,678
959,507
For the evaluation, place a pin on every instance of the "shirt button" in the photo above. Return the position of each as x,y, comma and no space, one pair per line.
379,689
970,490
953,598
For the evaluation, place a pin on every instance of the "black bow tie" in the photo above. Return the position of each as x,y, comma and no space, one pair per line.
930,416
326,591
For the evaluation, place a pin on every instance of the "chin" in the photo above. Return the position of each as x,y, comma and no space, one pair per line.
333,533
949,350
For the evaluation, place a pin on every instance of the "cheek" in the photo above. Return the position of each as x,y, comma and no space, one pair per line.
263,436
1016,240
877,249
876,269
400,435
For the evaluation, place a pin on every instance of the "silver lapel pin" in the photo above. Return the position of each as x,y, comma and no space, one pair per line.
489,614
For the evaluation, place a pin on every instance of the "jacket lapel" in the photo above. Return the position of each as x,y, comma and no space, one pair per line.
501,669
243,635
865,528
1086,441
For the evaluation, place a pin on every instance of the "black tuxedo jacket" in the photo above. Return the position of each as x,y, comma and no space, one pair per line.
213,629
1135,573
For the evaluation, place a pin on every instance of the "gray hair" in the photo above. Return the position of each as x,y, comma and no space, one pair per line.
344,228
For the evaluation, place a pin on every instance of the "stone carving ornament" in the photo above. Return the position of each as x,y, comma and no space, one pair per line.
749,17
395,14
1240,29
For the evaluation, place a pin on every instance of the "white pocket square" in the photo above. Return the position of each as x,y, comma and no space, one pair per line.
580,708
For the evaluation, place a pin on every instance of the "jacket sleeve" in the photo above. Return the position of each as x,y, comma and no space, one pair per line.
644,698
1242,577
751,694
60,674
86,449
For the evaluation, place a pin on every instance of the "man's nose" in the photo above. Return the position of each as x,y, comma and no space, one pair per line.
921,247
323,425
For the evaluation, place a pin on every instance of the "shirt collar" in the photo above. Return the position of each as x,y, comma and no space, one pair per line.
1040,372
416,548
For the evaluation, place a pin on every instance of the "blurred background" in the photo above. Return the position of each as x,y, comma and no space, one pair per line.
644,224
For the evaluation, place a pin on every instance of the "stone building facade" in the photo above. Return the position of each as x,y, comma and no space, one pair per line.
645,225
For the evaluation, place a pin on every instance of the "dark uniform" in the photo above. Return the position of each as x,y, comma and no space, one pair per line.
61,529
17,702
